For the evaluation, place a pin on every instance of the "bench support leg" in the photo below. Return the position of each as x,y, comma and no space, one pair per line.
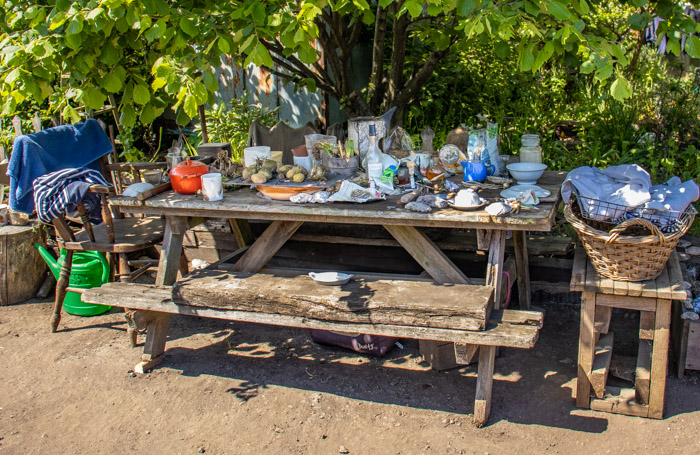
522,269
156,335
484,385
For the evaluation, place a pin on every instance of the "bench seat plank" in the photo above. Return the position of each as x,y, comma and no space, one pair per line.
362,301
508,328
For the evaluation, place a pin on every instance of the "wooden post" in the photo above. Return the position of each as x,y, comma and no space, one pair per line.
169,262
659,359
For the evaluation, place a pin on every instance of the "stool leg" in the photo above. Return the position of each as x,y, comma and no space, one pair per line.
586,350
659,359
61,286
484,385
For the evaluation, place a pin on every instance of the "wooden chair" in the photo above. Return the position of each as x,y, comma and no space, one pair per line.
117,236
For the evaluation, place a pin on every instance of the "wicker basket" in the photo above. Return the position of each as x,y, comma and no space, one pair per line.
627,257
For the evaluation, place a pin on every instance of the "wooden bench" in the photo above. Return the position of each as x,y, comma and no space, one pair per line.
406,309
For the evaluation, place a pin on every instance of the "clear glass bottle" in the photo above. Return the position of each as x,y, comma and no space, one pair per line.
374,158
530,150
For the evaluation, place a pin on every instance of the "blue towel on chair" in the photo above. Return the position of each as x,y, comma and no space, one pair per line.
66,146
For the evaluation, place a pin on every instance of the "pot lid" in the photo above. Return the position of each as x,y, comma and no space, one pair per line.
189,167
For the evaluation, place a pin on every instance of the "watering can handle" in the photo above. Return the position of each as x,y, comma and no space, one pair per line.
105,266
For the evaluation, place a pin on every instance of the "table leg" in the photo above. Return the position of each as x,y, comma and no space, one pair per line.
484,385
242,231
494,268
169,262
266,246
522,269
586,349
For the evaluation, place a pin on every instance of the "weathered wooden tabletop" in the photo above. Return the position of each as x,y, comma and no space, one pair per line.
246,204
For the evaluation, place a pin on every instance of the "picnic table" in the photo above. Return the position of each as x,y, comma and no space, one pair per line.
445,291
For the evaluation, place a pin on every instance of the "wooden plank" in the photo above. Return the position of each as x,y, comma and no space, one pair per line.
642,373
648,288
692,352
522,269
578,271
607,285
602,318
585,349
647,321
620,401
266,246
663,285
483,239
635,289
242,232
154,348
440,355
628,303
463,307
601,364
153,191
659,359
427,254
484,385
159,299
592,283
169,262
675,276
621,287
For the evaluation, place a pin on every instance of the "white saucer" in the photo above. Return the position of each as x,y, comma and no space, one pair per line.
515,190
466,208
331,278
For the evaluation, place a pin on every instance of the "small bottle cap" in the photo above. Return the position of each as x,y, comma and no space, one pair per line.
372,131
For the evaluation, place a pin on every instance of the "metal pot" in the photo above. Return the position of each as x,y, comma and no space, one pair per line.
185,176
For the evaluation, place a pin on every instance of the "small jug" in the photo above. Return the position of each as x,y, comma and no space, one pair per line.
474,170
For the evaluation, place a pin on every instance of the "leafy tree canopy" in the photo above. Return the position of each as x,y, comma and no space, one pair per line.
152,54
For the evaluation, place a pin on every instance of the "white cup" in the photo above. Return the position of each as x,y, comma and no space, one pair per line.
212,187
250,154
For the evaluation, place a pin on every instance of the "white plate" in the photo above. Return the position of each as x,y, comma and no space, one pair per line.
331,278
515,190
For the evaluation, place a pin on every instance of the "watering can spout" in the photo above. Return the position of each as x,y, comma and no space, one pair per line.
50,260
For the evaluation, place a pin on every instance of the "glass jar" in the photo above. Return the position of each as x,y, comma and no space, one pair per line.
530,150
435,172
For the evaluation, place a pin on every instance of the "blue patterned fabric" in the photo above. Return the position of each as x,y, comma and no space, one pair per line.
59,192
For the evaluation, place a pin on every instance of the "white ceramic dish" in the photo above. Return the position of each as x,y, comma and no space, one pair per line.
515,190
331,278
526,173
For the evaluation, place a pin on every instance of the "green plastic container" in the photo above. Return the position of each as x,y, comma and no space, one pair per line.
89,269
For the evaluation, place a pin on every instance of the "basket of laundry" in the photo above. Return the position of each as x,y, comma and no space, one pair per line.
628,227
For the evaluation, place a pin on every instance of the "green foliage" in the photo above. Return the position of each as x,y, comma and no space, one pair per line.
231,123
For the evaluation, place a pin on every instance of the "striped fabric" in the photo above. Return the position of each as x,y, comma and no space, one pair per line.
59,192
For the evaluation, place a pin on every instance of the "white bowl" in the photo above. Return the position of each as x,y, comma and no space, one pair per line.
331,278
526,173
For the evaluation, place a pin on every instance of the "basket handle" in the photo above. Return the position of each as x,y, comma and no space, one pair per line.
620,228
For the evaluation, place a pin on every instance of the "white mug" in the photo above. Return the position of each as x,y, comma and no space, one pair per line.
212,187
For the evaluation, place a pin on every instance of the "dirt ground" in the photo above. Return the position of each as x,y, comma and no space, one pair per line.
231,388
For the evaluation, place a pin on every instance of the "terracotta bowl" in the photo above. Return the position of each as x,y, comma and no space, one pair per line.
282,193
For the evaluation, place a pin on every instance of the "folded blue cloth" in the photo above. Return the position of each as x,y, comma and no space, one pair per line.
61,147
59,192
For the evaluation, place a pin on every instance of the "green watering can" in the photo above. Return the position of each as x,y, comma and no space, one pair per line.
89,269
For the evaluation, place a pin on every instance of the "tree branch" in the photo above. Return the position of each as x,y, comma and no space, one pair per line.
398,54
377,89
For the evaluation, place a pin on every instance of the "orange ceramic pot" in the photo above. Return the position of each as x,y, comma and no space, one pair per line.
185,176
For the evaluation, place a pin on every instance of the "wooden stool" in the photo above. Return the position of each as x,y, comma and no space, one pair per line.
652,299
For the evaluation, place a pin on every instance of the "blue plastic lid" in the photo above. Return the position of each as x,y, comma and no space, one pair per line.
372,131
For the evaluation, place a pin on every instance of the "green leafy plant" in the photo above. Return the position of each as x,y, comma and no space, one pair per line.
231,123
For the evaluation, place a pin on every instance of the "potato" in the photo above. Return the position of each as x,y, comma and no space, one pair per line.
258,178
291,173
269,165
299,177
284,169
266,173
247,174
